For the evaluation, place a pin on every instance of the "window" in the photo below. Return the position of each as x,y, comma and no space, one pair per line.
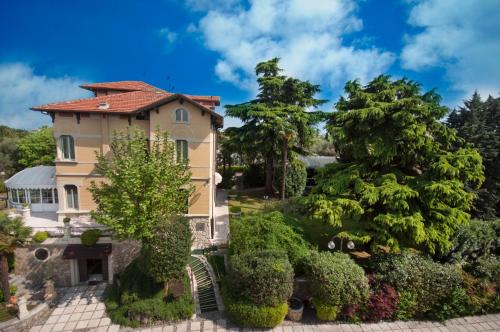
41,254
68,147
35,197
47,196
71,196
56,198
182,150
21,194
181,115
13,196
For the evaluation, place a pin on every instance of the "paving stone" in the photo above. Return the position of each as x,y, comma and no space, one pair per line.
57,311
181,327
58,327
86,315
81,324
208,326
114,328
93,323
47,328
69,310
105,322
98,314
52,320
168,328
63,318
157,329
75,317
91,307
36,328
70,326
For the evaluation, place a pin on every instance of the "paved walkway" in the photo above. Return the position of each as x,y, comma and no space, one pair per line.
466,324
221,214
79,308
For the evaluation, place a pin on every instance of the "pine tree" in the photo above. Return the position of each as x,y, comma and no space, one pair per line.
278,120
403,176
478,123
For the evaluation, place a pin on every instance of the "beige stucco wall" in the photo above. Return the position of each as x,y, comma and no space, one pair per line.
93,135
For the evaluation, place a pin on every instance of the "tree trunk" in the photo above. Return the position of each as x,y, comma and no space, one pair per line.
269,175
283,165
4,276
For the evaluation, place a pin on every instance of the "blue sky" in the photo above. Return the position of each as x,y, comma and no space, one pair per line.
48,48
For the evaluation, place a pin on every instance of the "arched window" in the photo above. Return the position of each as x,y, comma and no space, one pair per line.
181,115
71,196
67,147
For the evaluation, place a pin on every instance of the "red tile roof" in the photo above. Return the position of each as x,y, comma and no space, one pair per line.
120,86
136,96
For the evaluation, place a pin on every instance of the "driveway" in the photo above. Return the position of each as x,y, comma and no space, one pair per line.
78,308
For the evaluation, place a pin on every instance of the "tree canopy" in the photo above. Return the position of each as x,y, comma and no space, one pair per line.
404,177
278,119
37,148
478,122
144,184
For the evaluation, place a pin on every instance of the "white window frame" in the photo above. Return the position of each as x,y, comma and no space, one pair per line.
74,197
70,141
51,196
184,150
183,115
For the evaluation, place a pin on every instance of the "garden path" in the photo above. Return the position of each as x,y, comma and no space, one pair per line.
465,324
221,215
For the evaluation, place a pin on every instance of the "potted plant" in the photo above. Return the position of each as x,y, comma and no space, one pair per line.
26,211
295,309
66,221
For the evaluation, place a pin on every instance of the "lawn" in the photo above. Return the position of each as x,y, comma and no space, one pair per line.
249,200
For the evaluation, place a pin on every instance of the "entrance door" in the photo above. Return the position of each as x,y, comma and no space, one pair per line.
91,269
94,267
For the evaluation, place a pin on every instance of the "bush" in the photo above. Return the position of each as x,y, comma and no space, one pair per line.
296,178
254,176
13,291
382,304
263,278
251,315
325,311
427,282
41,236
407,307
266,231
483,295
335,280
486,267
140,297
477,239
456,304
90,237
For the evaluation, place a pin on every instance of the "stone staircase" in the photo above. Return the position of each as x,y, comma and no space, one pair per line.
206,292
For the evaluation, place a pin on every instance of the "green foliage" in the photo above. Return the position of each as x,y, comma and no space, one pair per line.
9,151
37,148
253,176
404,177
335,279
13,290
418,280
139,297
455,304
143,184
235,209
407,306
90,237
264,278
296,177
164,256
477,239
266,231
278,120
477,122
325,311
485,267
251,315
40,236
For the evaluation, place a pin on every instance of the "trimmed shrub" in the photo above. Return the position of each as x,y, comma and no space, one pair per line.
335,280
454,305
41,236
90,237
264,278
250,315
407,307
254,176
266,231
428,282
296,178
486,267
325,311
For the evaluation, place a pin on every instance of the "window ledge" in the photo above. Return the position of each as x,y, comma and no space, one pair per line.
66,161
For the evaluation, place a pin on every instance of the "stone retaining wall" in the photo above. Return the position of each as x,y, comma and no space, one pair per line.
200,228
36,316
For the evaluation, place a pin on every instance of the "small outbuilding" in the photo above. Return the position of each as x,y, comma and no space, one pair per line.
35,186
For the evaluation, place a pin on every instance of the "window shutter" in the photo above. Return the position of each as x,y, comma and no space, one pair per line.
185,151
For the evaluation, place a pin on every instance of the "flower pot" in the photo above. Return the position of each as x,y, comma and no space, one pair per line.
295,309
26,212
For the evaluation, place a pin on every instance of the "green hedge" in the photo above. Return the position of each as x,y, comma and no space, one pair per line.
139,295
296,178
251,315
325,311
266,231
90,237
41,236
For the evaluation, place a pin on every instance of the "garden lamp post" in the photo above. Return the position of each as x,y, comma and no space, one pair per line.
331,243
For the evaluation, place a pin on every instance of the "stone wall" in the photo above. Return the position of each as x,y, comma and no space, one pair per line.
200,228
124,252
36,316
36,271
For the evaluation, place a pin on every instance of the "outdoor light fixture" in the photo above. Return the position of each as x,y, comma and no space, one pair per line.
350,245
331,245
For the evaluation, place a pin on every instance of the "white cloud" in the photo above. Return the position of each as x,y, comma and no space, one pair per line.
22,89
168,35
463,37
306,34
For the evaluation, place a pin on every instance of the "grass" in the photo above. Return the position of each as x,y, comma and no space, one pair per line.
250,200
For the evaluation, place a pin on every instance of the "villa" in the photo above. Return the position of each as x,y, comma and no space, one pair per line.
85,127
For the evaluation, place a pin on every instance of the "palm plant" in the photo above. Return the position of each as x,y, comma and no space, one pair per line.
13,234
